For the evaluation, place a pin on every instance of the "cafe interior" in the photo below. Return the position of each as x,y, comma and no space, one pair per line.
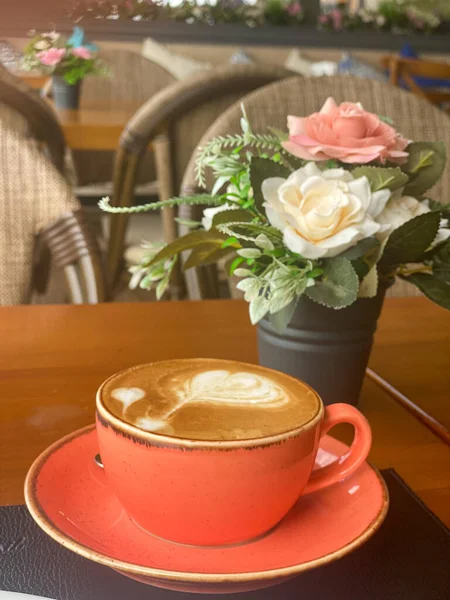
224,299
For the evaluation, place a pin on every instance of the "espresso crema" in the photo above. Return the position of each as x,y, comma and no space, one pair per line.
209,399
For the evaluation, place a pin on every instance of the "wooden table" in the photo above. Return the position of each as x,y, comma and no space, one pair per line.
94,128
53,358
34,80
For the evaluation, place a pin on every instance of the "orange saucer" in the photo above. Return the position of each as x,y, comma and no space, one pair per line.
68,496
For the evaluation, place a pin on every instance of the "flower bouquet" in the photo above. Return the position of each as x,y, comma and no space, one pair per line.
68,61
317,223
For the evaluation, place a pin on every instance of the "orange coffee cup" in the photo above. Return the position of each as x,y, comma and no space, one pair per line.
220,492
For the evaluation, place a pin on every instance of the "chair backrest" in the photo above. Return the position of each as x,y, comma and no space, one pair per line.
178,115
416,118
134,79
41,120
33,197
411,73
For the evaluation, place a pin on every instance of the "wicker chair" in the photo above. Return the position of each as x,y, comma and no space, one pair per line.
39,120
35,199
134,79
414,117
175,119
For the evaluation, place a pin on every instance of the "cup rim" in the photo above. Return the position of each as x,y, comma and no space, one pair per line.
160,440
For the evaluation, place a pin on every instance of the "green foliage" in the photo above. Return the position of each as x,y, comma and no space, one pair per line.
435,289
71,68
362,248
206,254
424,167
339,285
189,241
409,243
441,263
249,231
231,216
201,199
282,318
380,178
216,147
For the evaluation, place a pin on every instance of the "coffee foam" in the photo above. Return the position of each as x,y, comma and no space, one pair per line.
208,399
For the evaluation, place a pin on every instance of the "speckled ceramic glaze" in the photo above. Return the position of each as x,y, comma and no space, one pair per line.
213,493
70,498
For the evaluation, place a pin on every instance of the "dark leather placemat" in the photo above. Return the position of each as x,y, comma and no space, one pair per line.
407,559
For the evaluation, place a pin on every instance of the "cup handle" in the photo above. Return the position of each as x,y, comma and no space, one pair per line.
350,461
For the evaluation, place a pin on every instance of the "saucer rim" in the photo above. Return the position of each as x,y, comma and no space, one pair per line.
45,523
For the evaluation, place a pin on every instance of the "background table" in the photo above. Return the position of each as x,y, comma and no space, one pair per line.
53,358
97,128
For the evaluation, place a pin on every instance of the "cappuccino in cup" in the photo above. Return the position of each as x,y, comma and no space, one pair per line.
209,399
213,452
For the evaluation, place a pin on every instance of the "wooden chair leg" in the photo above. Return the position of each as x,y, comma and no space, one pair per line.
164,173
123,196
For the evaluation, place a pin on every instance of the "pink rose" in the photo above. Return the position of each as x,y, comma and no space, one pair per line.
52,57
82,52
347,133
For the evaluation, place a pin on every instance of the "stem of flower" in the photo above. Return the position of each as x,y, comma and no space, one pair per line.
405,271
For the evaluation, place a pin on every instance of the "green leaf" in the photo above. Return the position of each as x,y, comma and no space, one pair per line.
444,209
433,288
258,309
380,178
425,165
410,241
206,254
231,241
361,248
279,301
262,241
200,199
187,222
190,240
261,169
441,263
249,231
162,286
235,264
249,253
282,318
283,136
369,285
339,285
231,216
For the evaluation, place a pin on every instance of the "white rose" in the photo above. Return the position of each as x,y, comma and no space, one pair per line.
322,213
401,209
210,213
42,45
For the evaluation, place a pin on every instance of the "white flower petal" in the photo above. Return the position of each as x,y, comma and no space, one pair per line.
442,235
341,174
378,202
275,218
310,183
297,244
270,186
361,189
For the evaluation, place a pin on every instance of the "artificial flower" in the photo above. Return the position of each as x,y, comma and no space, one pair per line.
347,133
322,213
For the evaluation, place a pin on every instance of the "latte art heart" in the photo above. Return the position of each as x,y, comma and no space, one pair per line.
232,388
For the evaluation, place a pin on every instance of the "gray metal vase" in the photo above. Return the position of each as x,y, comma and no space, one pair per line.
65,96
328,349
